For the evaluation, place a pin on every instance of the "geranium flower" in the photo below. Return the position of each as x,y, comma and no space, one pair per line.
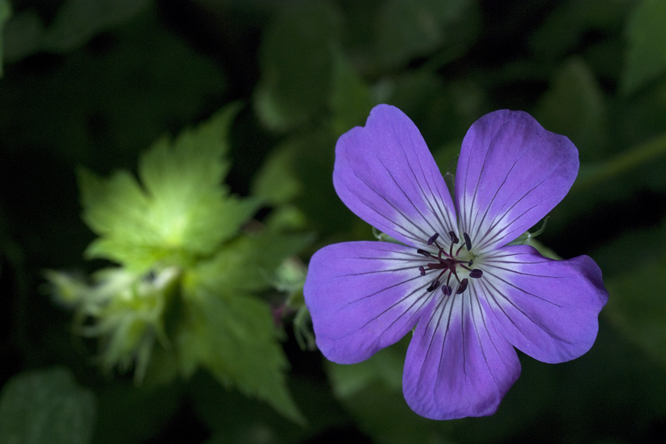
469,296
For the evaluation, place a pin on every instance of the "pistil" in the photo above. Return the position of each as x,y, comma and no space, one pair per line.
448,262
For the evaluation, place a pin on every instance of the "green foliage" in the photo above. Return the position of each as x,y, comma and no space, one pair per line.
140,82
76,23
637,305
575,105
296,62
408,29
5,14
234,338
46,406
181,213
207,285
646,56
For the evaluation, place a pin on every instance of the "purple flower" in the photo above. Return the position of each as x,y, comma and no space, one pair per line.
469,296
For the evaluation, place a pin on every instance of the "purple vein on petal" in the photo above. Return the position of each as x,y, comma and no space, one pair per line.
423,297
438,312
522,290
485,284
447,225
415,238
481,314
382,290
426,219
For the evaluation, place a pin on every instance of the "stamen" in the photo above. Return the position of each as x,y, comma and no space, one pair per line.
462,287
454,238
433,238
422,270
423,252
468,242
476,273
446,290
433,285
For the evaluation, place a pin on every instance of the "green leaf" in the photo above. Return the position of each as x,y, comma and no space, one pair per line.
575,106
116,98
295,62
646,55
143,412
350,100
235,339
79,20
181,213
46,406
236,419
76,22
5,13
406,29
636,306
275,183
248,263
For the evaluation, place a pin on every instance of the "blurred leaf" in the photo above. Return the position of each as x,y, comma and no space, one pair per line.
46,406
574,106
235,339
184,211
384,368
567,24
646,53
76,22
351,100
296,64
235,419
247,264
422,95
638,308
143,412
117,95
275,182
5,14
79,20
407,29
639,155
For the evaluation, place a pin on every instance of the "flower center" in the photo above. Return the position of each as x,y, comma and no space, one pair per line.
449,264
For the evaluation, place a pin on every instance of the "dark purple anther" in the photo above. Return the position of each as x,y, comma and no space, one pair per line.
462,287
476,273
423,252
454,238
446,290
433,238
422,270
433,285
468,242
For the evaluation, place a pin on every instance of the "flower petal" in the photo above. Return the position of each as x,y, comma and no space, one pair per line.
548,309
385,174
510,174
457,364
363,296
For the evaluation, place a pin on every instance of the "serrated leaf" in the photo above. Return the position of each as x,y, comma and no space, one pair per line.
235,339
182,212
248,263
295,61
46,407
646,53
275,182
575,106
